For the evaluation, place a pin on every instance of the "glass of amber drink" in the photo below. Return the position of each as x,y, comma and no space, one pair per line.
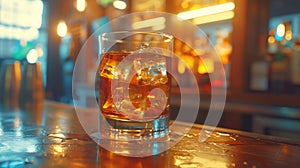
134,84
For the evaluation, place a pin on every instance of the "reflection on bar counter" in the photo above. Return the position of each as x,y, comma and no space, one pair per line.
258,43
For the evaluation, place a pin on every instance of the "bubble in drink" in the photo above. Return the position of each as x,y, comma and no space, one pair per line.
140,86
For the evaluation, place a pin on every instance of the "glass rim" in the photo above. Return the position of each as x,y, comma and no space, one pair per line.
169,38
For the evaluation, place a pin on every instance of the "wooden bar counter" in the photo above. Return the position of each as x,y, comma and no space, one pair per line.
50,135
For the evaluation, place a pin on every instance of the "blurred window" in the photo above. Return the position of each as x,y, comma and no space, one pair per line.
20,19
23,28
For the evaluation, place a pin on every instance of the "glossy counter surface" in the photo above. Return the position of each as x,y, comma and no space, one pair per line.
50,135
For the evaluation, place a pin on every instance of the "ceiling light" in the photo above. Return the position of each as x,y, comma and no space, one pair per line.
32,56
214,18
149,23
80,5
206,11
119,4
280,30
62,28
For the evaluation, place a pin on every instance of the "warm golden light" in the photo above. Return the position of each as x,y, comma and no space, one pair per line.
155,22
39,51
32,56
184,4
271,39
120,4
158,27
280,30
288,35
206,67
80,5
214,18
62,29
58,150
181,67
206,11
202,69
222,163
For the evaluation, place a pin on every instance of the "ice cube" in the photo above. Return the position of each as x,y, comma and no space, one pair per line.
144,46
108,68
163,69
130,111
122,71
151,69
118,93
115,70
158,98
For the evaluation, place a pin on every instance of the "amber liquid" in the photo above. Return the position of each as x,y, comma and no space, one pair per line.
132,94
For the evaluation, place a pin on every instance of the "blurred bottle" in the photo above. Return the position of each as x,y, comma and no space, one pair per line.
279,70
295,67
10,82
32,89
259,79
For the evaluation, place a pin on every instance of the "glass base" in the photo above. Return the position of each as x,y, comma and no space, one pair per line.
134,130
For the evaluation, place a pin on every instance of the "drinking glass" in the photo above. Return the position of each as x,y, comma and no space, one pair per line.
10,83
134,84
32,89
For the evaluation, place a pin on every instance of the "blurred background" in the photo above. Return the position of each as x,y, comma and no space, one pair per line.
258,43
